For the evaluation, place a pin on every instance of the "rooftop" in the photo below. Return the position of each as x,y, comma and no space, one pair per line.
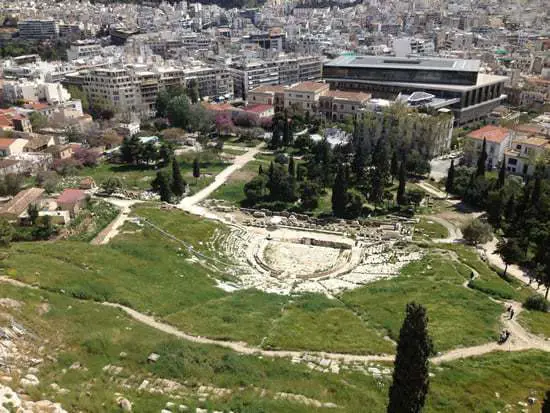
491,133
268,89
406,63
354,96
258,108
20,202
308,87
6,142
71,195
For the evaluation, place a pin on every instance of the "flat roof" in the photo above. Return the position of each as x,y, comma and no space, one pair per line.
409,63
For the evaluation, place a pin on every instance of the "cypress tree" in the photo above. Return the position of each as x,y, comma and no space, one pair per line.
502,174
287,133
546,403
401,197
276,137
380,173
359,162
339,194
449,183
510,209
291,167
196,168
394,166
178,183
482,159
535,195
163,183
260,170
410,376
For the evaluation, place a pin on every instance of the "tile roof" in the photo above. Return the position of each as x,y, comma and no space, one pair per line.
491,133
69,196
258,108
6,142
20,202
308,87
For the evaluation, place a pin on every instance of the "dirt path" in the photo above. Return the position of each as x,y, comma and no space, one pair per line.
519,340
112,230
189,203
455,234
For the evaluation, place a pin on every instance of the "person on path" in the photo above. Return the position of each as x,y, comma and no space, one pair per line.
511,313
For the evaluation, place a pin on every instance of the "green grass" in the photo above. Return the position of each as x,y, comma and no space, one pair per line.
139,177
537,322
90,221
489,281
427,229
458,316
232,191
317,323
235,152
95,336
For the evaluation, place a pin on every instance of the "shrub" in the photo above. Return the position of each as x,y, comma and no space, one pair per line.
477,232
536,302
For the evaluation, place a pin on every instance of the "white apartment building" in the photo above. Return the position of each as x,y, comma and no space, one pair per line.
249,75
34,91
38,29
83,50
498,140
523,154
412,46
305,95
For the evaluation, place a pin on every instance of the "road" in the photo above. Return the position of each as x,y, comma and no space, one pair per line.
189,203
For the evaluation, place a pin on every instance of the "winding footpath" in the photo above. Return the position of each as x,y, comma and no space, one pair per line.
189,204
520,339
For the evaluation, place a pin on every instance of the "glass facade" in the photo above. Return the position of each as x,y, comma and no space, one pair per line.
447,77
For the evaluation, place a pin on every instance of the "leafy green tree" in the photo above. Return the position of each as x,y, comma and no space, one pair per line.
309,195
476,232
32,211
495,207
112,184
166,153
301,172
130,150
282,187
148,153
355,203
401,195
256,189
161,103
178,183
410,376
482,159
38,121
449,182
77,93
197,168
510,251
339,194
178,112
192,91
7,232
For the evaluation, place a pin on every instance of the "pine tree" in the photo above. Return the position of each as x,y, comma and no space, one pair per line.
196,168
394,166
162,182
339,194
178,183
291,167
482,160
449,183
401,196
502,174
410,376
260,170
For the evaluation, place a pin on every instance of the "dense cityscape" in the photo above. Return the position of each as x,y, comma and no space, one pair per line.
298,206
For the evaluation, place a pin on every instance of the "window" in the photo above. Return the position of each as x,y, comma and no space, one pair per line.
512,161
